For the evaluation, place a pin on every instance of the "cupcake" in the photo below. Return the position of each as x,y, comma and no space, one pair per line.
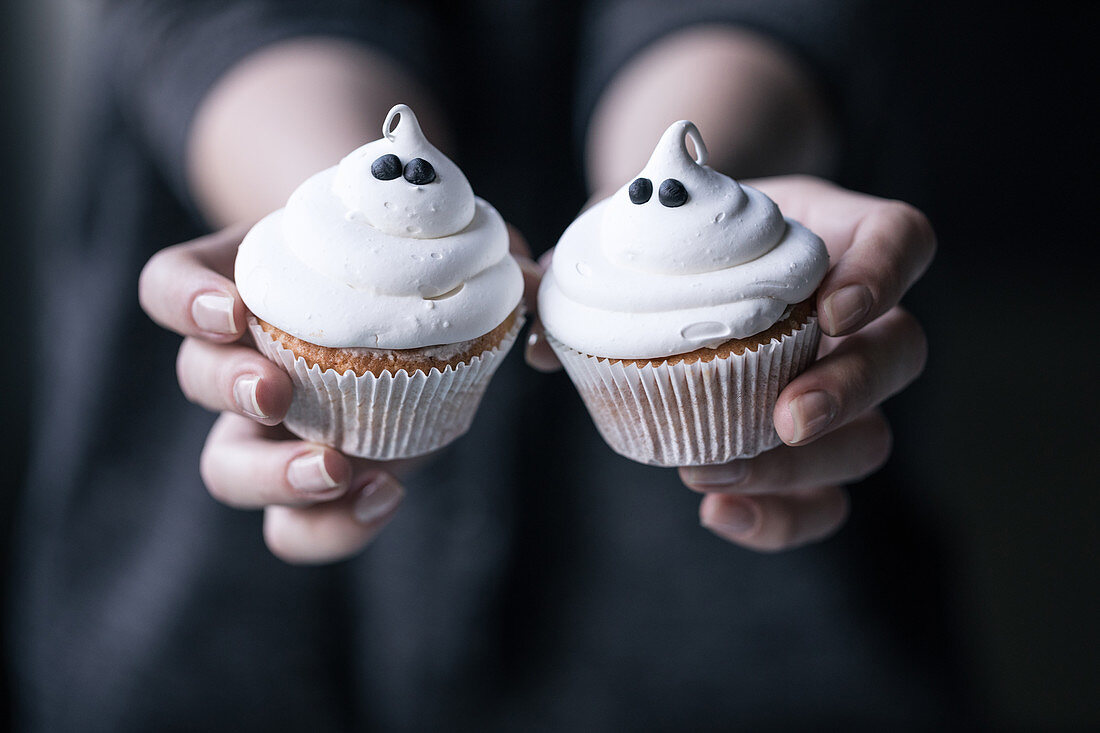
386,290
680,306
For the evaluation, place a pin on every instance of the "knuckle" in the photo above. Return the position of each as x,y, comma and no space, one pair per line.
183,362
159,259
220,483
909,219
877,444
780,471
914,339
145,283
914,226
280,537
292,539
779,529
208,471
842,507
154,271
919,345
904,320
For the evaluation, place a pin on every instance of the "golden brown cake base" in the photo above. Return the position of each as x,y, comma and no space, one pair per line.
705,407
378,361
800,313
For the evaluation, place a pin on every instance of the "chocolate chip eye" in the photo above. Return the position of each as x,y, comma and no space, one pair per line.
386,168
672,193
640,190
419,172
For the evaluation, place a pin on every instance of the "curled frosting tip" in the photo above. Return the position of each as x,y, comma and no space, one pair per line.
401,117
672,150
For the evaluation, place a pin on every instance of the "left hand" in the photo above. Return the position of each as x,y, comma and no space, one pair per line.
828,416
319,505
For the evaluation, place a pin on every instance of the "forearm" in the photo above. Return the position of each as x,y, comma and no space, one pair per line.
286,112
757,107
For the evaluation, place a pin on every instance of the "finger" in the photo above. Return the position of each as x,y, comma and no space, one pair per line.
538,354
843,456
891,248
517,243
860,372
773,522
242,466
235,378
187,288
879,247
532,277
337,529
532,272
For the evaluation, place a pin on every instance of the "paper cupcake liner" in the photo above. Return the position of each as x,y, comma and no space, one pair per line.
691,414
389,416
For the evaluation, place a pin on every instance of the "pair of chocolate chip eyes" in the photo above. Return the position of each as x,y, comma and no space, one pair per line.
417,171
671,194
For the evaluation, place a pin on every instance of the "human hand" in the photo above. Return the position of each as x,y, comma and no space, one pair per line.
319,504
828,416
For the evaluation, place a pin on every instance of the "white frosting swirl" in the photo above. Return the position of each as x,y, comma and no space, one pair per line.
354,261
646,281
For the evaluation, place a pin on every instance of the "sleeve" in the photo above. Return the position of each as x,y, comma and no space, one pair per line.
162,56
846,45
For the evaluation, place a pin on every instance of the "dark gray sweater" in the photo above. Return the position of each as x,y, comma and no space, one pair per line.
533,580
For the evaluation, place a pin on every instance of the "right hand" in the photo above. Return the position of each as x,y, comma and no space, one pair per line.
319,504
794,494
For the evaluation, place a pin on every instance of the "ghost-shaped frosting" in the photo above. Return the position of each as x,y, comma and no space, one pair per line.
399,206
721,223
680,258
389,249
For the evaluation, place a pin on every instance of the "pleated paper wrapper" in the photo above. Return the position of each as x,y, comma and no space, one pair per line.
691,414
389,416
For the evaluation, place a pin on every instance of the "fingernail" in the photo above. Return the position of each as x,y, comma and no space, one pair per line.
733,517
244,392
308,473
214,312
726,475
811,413
847,307
378,499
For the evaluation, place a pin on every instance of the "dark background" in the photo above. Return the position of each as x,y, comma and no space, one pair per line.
991,132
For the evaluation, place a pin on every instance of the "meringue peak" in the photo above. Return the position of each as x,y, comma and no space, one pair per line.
432,199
